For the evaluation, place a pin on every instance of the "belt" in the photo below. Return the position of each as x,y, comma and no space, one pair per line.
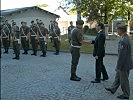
23,36
33,35
75,46
55,37
4,37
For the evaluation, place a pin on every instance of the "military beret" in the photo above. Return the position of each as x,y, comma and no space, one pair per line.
32,21
22,22
81,22
14,23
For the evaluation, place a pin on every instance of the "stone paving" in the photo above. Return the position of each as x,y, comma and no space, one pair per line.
36,78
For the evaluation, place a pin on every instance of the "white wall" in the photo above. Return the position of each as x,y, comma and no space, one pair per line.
30,15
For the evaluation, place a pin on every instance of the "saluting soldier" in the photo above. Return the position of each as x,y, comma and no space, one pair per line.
70,28
34,37
24,32
43,38
56,37
15,35
5,37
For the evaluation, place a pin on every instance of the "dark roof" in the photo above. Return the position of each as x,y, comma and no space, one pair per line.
15,10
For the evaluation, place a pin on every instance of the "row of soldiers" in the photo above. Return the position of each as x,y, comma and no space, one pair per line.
36,34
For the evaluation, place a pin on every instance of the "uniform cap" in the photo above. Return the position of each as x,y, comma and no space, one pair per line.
80,22
122,27
32,21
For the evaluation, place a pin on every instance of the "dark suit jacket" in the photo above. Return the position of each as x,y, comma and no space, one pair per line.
99,45
125,61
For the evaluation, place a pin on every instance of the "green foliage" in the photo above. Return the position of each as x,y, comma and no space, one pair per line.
106,10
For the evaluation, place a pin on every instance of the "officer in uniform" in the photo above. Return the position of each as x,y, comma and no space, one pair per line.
34,38
76,42
124,64
70,28
16,40
24,32
43,38
56,38
5,37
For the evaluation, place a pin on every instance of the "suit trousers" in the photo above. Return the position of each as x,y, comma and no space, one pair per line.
121,78
100,68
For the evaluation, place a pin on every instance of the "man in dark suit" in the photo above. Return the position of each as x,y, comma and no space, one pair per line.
99,53
124,64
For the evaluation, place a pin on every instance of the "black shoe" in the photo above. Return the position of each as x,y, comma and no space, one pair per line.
96,81
24,53
56,53
33,54
75,78
104,79
17,58
108,89
14,58
122,97
42,55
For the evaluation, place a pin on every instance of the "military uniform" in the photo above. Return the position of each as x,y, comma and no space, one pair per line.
5,38
76,38
56,38
43,40
24,31
33,38
16,40
70,28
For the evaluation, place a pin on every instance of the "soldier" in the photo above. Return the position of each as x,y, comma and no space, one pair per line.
51,30
70,28
56,37
34,37
124,64
5,37
9,29
76,42
24,33
43,39
16,40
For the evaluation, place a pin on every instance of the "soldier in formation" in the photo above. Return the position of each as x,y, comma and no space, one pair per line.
16,40
24,33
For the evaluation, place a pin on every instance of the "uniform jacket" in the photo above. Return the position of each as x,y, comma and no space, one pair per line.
125,61
99,45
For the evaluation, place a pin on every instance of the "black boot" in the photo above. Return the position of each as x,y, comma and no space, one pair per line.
43,55
33,53
74,77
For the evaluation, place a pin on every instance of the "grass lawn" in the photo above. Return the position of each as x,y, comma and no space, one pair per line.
87,48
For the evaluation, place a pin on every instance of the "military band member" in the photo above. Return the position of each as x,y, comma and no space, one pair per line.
5,37
34,37
56,38
24,33
15,35
70,28
43,38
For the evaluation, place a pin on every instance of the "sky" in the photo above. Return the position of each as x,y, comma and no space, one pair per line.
9,4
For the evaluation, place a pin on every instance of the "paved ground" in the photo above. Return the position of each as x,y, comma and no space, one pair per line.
36,78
